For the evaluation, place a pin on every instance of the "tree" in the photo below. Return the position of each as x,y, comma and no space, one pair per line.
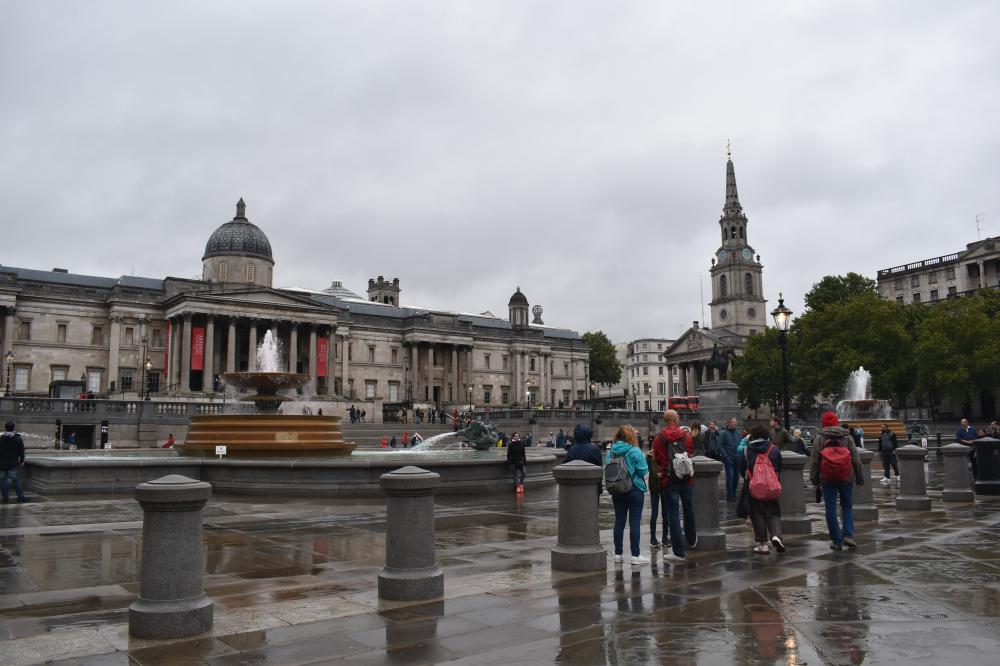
757,372
604,366
834,289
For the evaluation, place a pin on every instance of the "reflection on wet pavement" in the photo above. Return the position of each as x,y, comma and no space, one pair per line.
294,583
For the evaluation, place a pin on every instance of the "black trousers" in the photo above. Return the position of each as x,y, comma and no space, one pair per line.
888,458
765,517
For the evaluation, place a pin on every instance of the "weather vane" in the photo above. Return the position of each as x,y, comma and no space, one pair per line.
729,152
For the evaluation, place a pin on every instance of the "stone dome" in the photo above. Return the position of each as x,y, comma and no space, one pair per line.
240,237
518,299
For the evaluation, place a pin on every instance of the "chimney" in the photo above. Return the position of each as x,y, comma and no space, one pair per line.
695,327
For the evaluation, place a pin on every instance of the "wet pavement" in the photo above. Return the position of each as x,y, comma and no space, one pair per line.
294,583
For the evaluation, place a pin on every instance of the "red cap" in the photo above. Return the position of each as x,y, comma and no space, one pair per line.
830,420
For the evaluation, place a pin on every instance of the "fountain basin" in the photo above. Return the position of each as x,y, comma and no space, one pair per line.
265,436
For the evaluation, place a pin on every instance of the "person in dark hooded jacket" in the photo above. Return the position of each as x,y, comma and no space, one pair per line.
765,516
585,450
11,459
517,459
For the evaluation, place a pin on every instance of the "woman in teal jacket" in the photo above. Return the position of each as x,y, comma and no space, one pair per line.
629,505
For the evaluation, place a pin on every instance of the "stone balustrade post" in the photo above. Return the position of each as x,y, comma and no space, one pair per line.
705,497
578,544
912,481
172,602
987,466
411,571
864,499
793,496
956,474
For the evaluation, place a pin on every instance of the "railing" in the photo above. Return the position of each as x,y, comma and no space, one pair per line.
569,415
936,261
58,407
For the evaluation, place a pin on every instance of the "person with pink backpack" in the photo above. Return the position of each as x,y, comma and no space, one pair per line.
760,466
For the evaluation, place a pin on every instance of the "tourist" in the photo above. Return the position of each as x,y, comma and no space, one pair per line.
779,435
728,442
887,445
392,442
583,449
417,439
351,414
406,439
699,436
529,441
170,441
712,441
765,513
550,440
363,416
517,459
11,459
966,434
834,474
654,499
385,442
799,444
629,505
561,439
71,441
672,448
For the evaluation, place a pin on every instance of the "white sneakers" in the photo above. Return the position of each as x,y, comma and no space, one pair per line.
618,558
885,481
668,556
761,548
639,559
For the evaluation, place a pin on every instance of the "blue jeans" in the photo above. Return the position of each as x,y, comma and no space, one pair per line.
654,515
732,478
15,477
671,495
628,504
845,491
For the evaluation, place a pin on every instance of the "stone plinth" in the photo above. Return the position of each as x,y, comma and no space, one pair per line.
864,500
718,401
705,496
578,544
987,466
172,602
411,571
793,496
956,474
912,481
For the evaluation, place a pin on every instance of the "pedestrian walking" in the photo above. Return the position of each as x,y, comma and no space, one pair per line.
887,445
760,466
11,460
518,460
834,469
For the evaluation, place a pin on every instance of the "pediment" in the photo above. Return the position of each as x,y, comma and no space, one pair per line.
693,340
268,298
989,249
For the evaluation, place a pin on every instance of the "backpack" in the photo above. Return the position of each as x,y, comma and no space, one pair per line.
680,466
835,464
617,478
764,484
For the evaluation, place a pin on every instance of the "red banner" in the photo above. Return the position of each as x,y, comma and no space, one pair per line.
322,356
166,350
197,347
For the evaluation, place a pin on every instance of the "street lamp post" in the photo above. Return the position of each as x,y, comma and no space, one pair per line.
144,385
782,318
8,358
593,388
470,399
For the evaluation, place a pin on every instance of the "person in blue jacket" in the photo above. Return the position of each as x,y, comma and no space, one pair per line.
585,450
728,442
629,505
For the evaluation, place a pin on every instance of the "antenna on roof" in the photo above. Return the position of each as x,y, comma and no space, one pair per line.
979,225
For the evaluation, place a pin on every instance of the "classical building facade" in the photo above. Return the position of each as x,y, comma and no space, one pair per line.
62,326
647,374
976,267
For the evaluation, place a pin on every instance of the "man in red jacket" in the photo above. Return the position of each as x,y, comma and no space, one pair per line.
675,491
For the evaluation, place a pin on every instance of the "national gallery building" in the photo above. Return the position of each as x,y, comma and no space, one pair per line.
176,336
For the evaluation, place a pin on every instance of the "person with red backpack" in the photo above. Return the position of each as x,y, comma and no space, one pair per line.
760,466
835,468
673,449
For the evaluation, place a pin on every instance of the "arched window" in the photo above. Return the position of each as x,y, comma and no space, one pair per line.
732,232
251,273
748,284
741,232
223,271
723,287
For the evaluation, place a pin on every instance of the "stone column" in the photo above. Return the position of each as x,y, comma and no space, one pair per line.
343,332
186,354
956,474
331,342
411,572
706,504
252,346
912,482
293,349
430,373
8,330
456,394
172,365
114,349
313,360
864,500
793,498
578,544
231,346
572,397
208,374
468,369
172,602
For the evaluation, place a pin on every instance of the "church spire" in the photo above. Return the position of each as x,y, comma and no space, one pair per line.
732,196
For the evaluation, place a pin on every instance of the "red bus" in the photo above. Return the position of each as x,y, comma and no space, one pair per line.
683,403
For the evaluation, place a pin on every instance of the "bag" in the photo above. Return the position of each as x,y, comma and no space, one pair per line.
835,464
764,483
681,467
743,503
617,479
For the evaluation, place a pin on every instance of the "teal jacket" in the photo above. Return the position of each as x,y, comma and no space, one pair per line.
635,461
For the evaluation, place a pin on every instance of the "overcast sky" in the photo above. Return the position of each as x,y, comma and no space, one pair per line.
576,149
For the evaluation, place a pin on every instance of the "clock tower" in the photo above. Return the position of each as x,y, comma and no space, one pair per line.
738,303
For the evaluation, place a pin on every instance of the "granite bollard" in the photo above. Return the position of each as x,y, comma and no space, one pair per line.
864,499
987,466
705,497
956,474
912,481
411,572
578,544
172,602
793,494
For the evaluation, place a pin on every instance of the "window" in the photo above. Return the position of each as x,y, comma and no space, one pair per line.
395,358
579,394
531,363
645,369
504,361
487,394
899,299
645,357
934,294
251,273
677,389
504,395
157,338
748,284
371,353
97,335
486,361
915,281
565,368
94,380
59,373
350,388
952,291
61,332
565,396
223,271
645,388
661,388
153,381
129,336
661,370
932,277
370,386
350,347
949,273
723,287
674,372
659,345
22,376
643,345
916,297
899,284
393,391
438,358
128,378
24,330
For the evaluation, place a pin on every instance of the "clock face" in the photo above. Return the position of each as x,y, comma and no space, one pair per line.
747,254
723,314
722,255
751,313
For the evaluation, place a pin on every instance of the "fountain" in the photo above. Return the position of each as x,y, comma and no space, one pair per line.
267,433
858,405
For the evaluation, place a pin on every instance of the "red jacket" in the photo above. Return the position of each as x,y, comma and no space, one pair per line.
669,434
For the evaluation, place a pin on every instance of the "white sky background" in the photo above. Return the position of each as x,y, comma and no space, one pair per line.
576,149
